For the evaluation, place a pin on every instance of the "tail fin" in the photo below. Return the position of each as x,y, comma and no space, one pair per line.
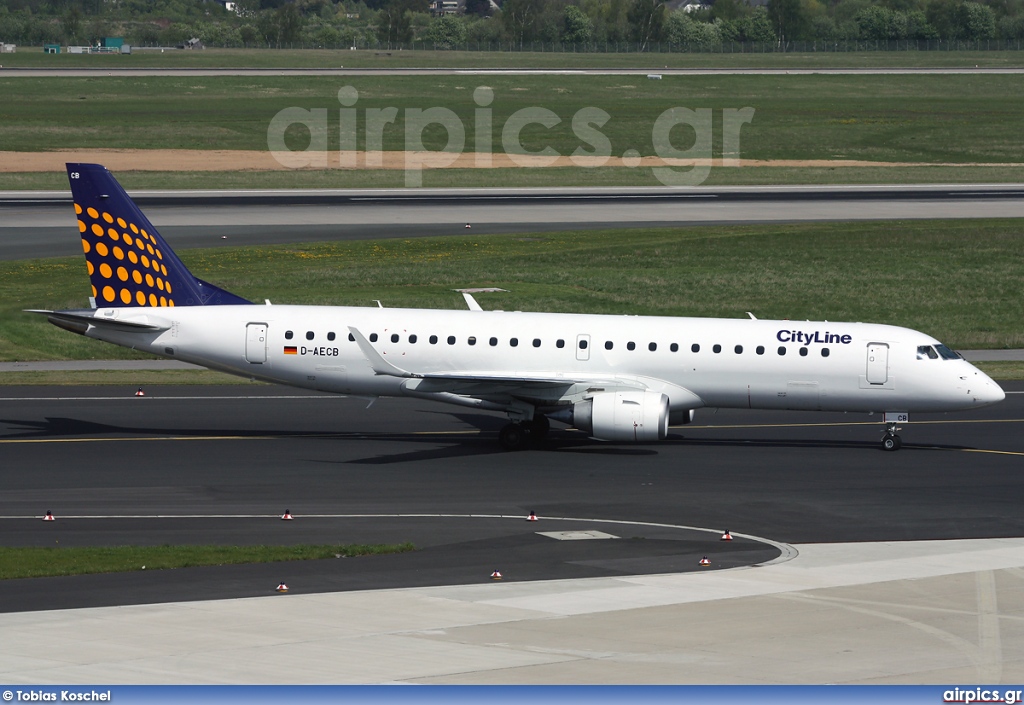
129,263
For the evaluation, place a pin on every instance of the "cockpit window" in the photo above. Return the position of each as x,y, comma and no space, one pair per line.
946,353
926,352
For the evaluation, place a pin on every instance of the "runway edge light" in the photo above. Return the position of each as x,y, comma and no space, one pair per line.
287,516
532,517
726,536
140,393
49,517
495,575
704,561
282,588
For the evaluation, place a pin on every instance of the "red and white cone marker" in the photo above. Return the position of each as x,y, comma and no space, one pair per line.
287,516
49,517
495,575
704,561
532,517
726,536
282,588
140,393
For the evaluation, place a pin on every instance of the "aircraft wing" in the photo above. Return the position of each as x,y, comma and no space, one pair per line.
551,386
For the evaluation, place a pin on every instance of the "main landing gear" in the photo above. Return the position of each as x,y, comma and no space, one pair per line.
516,436
890,440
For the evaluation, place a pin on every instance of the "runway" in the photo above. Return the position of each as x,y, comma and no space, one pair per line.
872,566
220,465
41,224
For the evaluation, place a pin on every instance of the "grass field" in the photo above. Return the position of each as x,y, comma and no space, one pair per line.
34,562
957,280
920,119
330,58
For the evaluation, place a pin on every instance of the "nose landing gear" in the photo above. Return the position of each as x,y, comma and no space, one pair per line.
890,440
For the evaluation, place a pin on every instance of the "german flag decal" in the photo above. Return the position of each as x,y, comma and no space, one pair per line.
290,350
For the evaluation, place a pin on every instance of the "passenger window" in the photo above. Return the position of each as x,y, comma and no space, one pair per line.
451,340
413,338
330,336
824,352
309,335
433,340
631,345
373,337
394,337
674,347
513,342
695,348
782,350
288,335
536,342
493,342
583,343
559,343
803,352
608,345
652,346
760,350
471,340
738,349
716,348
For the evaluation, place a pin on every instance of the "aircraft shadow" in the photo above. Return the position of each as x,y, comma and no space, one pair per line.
480,441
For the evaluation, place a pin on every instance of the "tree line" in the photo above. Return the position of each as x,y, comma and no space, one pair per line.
580,23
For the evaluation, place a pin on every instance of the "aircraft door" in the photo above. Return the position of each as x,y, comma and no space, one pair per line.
583,347
878,363
256,343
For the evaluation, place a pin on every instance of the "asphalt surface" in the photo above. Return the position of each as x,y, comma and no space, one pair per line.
41,224
220,464
33,72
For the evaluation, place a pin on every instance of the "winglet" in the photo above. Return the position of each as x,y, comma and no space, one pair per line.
377,362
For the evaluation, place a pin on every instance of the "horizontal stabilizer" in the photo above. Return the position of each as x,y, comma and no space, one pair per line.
79,321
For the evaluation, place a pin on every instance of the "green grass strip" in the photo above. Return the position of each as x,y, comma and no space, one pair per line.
35,562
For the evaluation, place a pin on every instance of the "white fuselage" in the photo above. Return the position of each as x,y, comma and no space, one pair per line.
737,363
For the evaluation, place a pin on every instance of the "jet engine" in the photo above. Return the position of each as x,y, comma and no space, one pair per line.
623,416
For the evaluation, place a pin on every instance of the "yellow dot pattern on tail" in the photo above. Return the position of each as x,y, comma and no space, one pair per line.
131,270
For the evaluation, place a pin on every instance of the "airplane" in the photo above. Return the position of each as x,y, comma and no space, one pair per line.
616,378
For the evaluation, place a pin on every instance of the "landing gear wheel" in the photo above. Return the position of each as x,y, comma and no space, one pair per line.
891,442
537,430
512,437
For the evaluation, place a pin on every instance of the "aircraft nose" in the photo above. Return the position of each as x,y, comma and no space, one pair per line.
988,392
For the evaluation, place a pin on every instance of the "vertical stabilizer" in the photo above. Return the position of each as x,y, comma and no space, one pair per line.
129,263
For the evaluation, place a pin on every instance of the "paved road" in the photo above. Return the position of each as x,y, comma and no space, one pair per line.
41,224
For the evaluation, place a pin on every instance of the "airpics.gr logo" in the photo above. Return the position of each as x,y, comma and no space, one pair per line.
812,336
678,165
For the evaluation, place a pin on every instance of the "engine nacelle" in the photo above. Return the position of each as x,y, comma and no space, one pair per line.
623,416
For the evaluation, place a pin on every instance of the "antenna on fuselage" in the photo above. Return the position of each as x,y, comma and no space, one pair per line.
752,316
